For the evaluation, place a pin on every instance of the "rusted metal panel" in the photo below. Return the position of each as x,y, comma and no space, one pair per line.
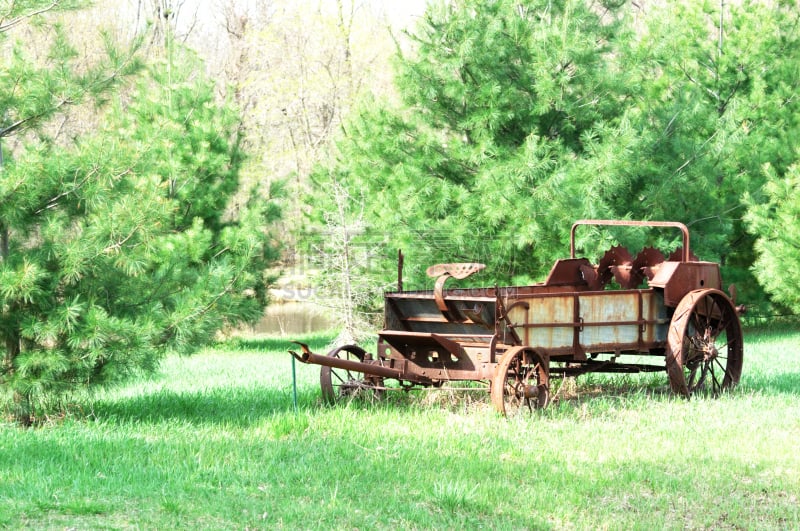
480,372
610,319
421,314
605,321
567,272
548,322
679,278
656,313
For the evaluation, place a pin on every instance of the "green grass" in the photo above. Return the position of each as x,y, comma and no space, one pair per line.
213,442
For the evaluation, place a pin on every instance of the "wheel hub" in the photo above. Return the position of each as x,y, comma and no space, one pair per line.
530,391
710,353
353,386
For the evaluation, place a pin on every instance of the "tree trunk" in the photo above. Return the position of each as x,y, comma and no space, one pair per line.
12,336
22,410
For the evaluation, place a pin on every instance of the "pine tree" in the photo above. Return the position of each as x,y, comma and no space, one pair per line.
516,118
500,100
775,222
123,244
713,88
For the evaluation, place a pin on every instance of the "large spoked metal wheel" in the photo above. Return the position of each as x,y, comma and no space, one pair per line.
704,345
343,383
521,382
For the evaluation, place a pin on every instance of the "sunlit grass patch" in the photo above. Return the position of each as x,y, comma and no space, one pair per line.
214,441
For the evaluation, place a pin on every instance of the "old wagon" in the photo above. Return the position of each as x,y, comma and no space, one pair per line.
624,314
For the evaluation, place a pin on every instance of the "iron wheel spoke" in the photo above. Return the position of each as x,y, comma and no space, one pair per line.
337,383
690,383
336,374
703,375
724,369
716,385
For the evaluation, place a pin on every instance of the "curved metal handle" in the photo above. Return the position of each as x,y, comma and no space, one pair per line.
627,223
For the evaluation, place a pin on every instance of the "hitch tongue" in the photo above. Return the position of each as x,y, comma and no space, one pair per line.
367,366
302,358
530,391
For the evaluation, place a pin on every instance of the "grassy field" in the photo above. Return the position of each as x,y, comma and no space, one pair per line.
213,442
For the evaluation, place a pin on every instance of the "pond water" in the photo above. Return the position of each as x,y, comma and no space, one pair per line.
292,317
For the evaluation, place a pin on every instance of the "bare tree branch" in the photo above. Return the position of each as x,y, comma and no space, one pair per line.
5,26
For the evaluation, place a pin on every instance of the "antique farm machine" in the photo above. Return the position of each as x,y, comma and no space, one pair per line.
624,314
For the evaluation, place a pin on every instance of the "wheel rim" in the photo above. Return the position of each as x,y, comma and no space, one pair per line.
521,382
705,347
341,383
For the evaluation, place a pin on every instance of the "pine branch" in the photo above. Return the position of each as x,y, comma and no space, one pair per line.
117,245
696,155
76,98
169,332
13,22
696,82
20,123
53,202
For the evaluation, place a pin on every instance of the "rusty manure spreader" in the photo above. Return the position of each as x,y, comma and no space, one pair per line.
668,314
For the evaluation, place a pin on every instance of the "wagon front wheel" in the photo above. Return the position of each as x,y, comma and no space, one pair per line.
521,382
704,344
342,383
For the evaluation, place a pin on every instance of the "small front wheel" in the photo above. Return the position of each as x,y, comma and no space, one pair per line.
521,382
340,383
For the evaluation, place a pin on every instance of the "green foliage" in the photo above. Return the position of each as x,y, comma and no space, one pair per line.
776,224
126,244
32,92
498,108
707,115
516,118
